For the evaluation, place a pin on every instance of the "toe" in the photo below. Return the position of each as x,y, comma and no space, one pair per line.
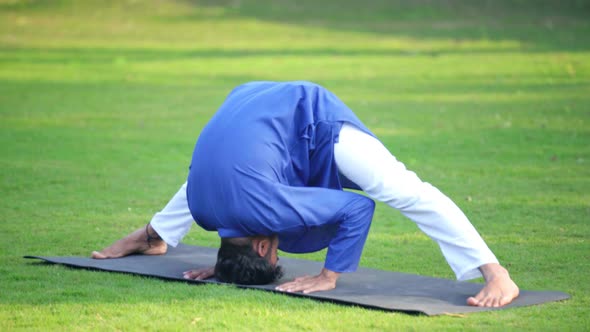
496,302
472,301
489,302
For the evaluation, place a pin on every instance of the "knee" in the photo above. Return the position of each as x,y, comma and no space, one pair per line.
362,205
368,206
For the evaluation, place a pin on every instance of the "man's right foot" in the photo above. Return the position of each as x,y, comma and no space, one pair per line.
499,289
134,243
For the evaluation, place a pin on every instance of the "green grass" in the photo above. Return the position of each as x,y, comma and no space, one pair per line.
101,103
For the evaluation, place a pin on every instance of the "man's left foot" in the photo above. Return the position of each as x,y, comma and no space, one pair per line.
499,289
134,243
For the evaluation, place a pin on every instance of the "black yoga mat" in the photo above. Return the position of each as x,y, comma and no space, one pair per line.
367,287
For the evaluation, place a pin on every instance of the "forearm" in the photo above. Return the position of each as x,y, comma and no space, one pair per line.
346,247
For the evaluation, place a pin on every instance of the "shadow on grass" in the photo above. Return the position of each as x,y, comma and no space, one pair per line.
536,26
542,25
119,55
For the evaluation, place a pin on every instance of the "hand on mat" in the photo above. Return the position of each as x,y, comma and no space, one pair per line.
326,280
199,274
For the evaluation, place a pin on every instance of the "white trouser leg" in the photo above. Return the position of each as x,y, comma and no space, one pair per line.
175,220
366,162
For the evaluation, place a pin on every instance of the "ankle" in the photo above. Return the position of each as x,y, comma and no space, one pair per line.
152,237
151,232
493,270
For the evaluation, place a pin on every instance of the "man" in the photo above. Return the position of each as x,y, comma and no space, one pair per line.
267,173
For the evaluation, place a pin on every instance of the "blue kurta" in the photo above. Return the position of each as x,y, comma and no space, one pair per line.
265,165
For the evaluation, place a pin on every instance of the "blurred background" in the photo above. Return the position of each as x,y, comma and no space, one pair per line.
101,103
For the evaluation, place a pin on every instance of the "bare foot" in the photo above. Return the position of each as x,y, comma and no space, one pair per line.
134,243
499,289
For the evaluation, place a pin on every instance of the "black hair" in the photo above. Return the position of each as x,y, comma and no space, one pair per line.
238,263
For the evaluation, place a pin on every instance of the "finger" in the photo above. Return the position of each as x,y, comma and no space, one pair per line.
292,283
313,285
285,286
291,287
296,286
200,275
302,278
197,274
299,287
190,272
317,288
197,270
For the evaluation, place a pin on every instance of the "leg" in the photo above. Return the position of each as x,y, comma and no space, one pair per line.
366,162
175,220
168,226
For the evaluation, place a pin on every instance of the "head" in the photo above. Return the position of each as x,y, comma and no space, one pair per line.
248,260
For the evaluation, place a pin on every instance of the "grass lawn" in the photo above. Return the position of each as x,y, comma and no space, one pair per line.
101,103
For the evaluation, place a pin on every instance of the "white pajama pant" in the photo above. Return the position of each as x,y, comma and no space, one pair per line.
366,162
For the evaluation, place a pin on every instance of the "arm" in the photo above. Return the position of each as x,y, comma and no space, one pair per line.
350,212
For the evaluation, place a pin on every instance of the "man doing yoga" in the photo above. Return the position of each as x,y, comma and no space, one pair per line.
267,173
